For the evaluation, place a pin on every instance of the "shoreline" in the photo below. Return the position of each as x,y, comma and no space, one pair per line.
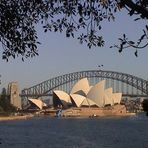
10,118
25,117
103,116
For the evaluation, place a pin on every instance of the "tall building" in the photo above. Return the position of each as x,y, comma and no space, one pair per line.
13,91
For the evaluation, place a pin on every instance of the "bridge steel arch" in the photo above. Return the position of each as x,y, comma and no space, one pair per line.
47,86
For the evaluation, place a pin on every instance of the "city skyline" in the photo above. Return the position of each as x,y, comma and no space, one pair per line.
59,55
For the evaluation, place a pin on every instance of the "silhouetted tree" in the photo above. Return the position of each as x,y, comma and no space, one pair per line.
4,92
19,17
145,106
5,105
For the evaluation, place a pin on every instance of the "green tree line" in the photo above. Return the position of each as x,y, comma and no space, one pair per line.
5,106
145,106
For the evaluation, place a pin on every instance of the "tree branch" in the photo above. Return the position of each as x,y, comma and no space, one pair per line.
139,9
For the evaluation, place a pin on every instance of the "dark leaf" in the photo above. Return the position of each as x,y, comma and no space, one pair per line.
121,47
131,12
136,53
131,42
142,37
67,35
4,57
120,39
80,20
120,50
124,42
124,36
136,19
146,27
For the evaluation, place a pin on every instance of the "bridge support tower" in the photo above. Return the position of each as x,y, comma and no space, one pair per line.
13,92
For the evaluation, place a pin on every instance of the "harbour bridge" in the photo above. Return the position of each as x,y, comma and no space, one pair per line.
129,85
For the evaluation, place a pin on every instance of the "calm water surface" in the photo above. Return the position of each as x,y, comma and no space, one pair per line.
127,132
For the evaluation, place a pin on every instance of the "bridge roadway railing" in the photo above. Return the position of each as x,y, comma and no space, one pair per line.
49,85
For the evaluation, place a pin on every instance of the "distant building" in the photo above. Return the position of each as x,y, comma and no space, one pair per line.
13,91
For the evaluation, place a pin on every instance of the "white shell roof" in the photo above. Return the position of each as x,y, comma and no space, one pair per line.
63,96
109,91
96,93
81,85
91,102
37,102
78,99
117,97
108,96
81,100
85,102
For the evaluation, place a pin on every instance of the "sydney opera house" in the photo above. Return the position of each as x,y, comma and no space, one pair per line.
84,99
89,96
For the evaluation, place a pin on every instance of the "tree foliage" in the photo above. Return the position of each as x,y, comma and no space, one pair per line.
145,105
141,43
19,17
5,105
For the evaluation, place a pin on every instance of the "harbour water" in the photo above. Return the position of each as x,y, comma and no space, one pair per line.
46,132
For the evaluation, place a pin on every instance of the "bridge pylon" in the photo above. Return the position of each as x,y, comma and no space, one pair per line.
13,92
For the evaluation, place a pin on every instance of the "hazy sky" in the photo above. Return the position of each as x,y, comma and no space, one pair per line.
59,55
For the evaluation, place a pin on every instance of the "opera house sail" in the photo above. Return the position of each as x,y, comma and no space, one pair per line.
96,93
61,98
81,87
84,95
38,103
